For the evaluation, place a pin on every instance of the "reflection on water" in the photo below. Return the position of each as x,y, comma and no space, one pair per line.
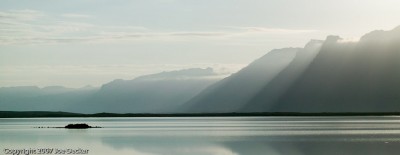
210,136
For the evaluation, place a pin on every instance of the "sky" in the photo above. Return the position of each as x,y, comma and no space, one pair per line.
75,43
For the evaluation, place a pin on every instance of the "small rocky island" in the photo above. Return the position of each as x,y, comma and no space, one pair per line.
74,126
79,126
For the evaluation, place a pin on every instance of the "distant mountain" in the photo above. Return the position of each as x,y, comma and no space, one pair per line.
162,92
157,93
231,93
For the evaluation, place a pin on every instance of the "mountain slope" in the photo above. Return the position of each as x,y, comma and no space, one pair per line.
232,93
270,93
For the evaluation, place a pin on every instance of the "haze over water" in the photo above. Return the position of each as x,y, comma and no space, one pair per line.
209,135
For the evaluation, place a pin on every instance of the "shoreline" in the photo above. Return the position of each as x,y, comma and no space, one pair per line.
52,114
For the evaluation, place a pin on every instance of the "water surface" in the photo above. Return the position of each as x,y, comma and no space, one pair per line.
209,135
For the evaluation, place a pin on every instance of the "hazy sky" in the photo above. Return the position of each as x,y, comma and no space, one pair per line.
79,42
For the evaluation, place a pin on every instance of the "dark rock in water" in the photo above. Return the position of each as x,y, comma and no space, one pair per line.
73,126
79,126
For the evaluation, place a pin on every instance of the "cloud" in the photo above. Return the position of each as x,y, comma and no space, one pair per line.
349,40
35,27
268,30
276,30
75,15
22,15
30,27
198,34
96,75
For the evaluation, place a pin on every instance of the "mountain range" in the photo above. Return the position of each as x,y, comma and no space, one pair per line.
331,75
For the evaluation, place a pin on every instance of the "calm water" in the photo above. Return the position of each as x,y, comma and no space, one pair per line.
209,136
